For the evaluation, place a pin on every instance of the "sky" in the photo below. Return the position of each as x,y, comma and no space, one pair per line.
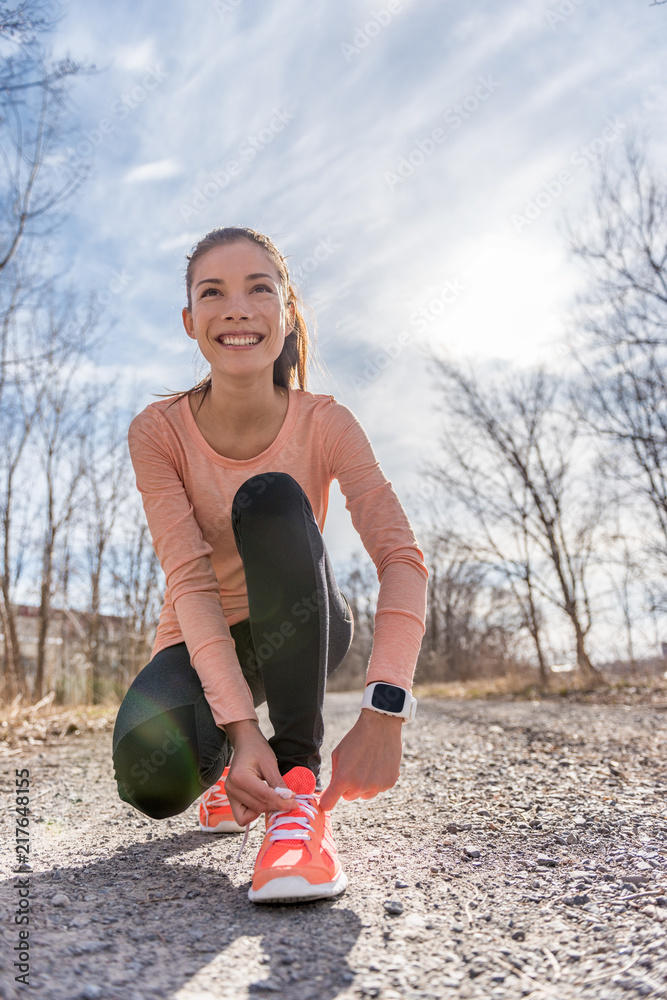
414,159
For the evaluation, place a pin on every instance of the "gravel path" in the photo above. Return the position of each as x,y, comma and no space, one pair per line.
522,853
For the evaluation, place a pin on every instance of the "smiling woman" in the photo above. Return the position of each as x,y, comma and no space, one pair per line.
235,475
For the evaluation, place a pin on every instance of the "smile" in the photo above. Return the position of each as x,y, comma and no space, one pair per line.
234,340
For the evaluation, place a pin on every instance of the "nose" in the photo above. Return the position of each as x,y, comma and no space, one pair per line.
237,306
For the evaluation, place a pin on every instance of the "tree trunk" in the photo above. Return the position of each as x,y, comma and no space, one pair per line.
94,640
583,662
14,680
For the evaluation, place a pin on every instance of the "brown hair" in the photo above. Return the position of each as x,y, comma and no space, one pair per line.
289,369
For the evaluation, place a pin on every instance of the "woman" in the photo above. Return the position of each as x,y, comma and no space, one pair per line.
234,476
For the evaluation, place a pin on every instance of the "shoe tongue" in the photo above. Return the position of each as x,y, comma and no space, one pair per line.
300,780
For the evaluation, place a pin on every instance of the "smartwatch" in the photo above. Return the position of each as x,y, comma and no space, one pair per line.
389,699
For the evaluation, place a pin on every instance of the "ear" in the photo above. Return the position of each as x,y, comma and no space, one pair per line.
290,314
188,323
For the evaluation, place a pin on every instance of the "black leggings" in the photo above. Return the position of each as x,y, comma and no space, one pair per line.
167,749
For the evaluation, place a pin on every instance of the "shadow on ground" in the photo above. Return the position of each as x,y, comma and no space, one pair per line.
145,921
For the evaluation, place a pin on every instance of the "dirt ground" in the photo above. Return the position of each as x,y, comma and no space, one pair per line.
522,853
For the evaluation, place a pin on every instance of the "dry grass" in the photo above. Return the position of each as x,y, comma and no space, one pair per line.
629,689
24,725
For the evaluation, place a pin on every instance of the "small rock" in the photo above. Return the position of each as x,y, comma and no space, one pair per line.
393,907
91,992
579,821
634,879
471,852
519,935
544,859
398,884
452,828
60,899
457,929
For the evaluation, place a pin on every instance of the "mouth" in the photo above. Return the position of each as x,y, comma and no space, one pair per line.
238,341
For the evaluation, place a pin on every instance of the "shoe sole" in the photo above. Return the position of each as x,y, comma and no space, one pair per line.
226,826
295,889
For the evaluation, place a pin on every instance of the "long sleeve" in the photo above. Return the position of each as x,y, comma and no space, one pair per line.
185,557
387,536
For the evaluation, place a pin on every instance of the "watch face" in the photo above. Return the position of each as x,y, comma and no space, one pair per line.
388,698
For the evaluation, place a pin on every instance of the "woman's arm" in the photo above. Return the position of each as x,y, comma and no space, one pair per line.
368,758
194,590
185,558
386,533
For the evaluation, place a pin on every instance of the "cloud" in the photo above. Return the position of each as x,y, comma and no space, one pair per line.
153,172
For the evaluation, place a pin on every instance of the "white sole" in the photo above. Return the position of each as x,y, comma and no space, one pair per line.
227,826
294,889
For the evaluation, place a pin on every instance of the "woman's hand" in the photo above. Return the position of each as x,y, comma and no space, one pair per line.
367,760
253,774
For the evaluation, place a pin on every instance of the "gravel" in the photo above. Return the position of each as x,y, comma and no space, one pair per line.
522,853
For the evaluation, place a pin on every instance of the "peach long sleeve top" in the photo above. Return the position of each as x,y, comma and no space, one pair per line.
187,490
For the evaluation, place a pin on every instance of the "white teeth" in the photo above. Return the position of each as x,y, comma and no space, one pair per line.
240,340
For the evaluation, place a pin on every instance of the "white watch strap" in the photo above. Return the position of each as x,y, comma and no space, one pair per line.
409,707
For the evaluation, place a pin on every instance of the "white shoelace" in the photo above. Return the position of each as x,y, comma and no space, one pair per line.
281,817
216,798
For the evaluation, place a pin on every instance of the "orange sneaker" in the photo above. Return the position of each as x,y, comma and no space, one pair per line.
298,859
215,812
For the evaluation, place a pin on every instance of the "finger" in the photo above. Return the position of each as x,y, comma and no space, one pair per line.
331,795
259,796
243,815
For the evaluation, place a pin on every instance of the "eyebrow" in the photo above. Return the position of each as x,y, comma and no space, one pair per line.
249,277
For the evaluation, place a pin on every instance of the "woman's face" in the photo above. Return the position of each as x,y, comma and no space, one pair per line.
238,315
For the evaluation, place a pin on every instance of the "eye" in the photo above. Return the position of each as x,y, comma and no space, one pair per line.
207,290
262,288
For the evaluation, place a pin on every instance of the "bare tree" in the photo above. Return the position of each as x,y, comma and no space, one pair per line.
469,627
63,419
34,186
359,582
510,456
106,482
16,426
621,342
138,585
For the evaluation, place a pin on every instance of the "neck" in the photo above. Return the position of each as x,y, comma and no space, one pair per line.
244,406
